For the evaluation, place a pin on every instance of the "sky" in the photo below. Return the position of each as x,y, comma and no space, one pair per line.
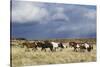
38,20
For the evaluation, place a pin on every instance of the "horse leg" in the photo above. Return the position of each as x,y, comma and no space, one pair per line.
43,49
78,49
55,49
74,49
66,46
88,49
34,48
51,49
81,49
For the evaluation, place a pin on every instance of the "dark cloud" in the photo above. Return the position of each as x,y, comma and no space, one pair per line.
47,20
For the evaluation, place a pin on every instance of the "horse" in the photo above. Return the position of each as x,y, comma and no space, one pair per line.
81,46
44,44
57,45
74,45
29,45
51,45
86,46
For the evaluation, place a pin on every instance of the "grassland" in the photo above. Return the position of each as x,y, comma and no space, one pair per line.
22,58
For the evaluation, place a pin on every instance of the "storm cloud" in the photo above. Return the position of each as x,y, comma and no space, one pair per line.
38,20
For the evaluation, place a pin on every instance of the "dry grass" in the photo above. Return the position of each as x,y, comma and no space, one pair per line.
21,58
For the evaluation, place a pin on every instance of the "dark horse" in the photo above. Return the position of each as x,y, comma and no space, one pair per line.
30,45
45,44
50,45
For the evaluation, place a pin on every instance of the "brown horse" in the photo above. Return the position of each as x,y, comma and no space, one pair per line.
30,45
74,45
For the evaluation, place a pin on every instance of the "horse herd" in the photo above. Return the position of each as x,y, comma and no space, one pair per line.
53,46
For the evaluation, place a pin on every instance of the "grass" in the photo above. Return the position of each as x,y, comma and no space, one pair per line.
22,58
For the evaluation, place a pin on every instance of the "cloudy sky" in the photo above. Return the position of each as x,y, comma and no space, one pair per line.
38,20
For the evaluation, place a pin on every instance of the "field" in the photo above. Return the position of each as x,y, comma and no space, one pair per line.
21,58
